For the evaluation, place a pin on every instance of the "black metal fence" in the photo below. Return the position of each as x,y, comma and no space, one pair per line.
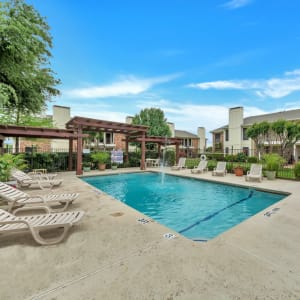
58,160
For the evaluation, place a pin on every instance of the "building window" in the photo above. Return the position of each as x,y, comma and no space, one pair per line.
226,135
217,138
226,150
245,137
246,150
109,138
187,142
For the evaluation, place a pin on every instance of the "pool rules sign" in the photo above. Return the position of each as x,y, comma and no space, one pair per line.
117,156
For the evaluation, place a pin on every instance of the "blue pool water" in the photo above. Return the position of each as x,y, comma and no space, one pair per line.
196,209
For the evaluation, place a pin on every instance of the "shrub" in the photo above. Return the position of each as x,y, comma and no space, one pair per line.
273,161
190,163
297,170
169,157
241,157
152,154
252,160
230,167
230,158
215,156
134,159
211,165
8,162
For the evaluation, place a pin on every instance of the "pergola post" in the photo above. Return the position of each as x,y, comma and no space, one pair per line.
177,153
70,161
143,158
79,151
126,149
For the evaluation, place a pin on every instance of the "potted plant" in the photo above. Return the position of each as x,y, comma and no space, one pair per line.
272,163
86,166
238,170
114,165
101,158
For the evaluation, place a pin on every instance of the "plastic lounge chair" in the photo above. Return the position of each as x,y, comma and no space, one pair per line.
156,162
25,180
202,167
36,223
180,165
255,172
220,169
17,198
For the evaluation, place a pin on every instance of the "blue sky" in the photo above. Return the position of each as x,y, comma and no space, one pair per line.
193,59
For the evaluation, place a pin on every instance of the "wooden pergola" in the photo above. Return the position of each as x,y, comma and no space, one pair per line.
80,124
77,125
41,132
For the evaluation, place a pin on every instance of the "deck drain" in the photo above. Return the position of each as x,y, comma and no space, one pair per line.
169,236
97,192
143,221
117,214
271,212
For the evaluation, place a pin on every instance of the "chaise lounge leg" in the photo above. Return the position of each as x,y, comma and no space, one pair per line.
40,240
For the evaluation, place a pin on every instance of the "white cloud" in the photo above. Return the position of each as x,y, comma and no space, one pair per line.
273,87
129,85
219,85
234,4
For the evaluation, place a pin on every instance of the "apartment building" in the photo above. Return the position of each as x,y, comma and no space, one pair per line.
232,138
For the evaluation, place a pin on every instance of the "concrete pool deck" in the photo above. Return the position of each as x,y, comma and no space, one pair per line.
110,255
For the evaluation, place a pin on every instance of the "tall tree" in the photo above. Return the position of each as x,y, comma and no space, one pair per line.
259,133
155,119
286,134
26,78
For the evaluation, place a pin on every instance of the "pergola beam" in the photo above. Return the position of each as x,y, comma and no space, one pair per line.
89,124
37,132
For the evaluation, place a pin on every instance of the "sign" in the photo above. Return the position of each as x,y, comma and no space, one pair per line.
117,156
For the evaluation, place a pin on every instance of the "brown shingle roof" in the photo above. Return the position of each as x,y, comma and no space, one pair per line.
184,134
289,115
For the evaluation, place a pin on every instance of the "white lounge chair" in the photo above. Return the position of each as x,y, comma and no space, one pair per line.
202,167
17,198
36,223
255,173
220,169
180,165
25,180
156,162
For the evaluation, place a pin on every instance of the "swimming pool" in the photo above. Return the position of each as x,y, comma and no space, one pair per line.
197,209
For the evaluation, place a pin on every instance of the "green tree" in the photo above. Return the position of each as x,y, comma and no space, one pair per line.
259,133
27,81
286,134
94,139
155,119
